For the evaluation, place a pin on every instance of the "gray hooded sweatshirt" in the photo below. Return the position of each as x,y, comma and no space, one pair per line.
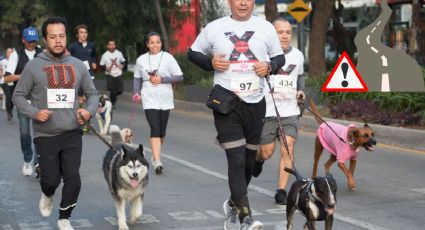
47,72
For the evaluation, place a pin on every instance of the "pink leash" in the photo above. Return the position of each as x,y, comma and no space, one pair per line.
133,112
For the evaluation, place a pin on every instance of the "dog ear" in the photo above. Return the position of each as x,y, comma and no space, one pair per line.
124,150
356,133
140,150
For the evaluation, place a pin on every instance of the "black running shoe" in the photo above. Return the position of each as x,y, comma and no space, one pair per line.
280,197
258,167
37,171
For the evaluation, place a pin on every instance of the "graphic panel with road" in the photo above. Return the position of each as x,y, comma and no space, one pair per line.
382,68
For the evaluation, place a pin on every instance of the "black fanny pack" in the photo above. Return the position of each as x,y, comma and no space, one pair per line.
222,100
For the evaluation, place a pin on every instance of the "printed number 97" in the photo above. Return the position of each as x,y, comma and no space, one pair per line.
245,86
61,97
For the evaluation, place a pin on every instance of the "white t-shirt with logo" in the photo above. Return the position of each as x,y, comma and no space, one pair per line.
108,58
158,96
285,86
243,43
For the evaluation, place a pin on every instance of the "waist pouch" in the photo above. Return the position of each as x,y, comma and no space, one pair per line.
222,100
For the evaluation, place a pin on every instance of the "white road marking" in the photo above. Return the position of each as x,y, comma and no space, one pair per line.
278,225
6,227
81,223
215,214
144,219
378,23
420,190
374,49
349,220
188,216
367,39
374,28
35,226
385,85
384,60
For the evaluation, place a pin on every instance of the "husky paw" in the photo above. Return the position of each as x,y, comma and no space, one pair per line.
123,227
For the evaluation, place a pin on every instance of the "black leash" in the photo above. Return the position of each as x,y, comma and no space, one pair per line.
304,106
86,122
282,136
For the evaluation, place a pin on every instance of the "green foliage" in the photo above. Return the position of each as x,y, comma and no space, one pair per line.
15,16
413,102
193,75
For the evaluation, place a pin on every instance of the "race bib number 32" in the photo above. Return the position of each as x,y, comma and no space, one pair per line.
60,98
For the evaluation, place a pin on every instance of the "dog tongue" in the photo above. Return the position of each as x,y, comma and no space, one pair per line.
134,183
330,210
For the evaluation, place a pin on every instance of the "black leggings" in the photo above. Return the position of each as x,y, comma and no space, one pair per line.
115,87
157,120
240,166
60,158
8,92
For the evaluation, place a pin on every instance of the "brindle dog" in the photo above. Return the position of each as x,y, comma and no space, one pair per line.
356,138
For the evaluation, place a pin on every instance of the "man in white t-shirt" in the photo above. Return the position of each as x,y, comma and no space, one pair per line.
241,45
113,61
16,64
287,88
7,86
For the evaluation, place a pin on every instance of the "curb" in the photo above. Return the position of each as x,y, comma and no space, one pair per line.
395,136
412,139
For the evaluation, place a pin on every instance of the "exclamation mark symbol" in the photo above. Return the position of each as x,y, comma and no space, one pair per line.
344,68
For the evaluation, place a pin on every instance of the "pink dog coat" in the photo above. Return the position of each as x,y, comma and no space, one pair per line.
333,144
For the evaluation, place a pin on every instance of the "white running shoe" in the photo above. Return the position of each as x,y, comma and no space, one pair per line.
231,214
64,224
157,166
46,205
249,224
27,169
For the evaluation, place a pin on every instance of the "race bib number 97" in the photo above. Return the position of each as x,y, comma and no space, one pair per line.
60,98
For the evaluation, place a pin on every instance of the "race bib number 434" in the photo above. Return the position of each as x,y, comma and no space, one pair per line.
60,98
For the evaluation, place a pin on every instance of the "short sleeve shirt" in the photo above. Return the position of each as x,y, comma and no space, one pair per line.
113,58
163,64
284,86
243,43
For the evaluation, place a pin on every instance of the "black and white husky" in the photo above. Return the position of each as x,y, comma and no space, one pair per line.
104,114
126,172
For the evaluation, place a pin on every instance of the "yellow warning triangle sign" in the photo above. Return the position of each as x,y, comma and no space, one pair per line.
299,10
344,77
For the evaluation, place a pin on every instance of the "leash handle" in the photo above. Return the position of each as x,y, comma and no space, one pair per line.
86,122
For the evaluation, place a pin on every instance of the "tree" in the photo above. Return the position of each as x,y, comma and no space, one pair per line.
161,23
322,10
211,10
270,9
15,16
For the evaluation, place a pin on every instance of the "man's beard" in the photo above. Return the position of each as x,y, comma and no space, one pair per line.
57,55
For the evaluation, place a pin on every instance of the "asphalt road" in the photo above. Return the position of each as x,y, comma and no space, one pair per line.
189,195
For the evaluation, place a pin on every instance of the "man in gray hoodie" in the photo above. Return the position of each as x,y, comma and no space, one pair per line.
51,81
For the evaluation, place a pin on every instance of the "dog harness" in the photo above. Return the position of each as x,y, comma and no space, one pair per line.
102,114
304,196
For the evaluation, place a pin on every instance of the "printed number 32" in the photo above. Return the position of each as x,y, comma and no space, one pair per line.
245,86
61,97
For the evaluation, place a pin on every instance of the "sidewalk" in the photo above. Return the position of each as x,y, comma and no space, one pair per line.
395,136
